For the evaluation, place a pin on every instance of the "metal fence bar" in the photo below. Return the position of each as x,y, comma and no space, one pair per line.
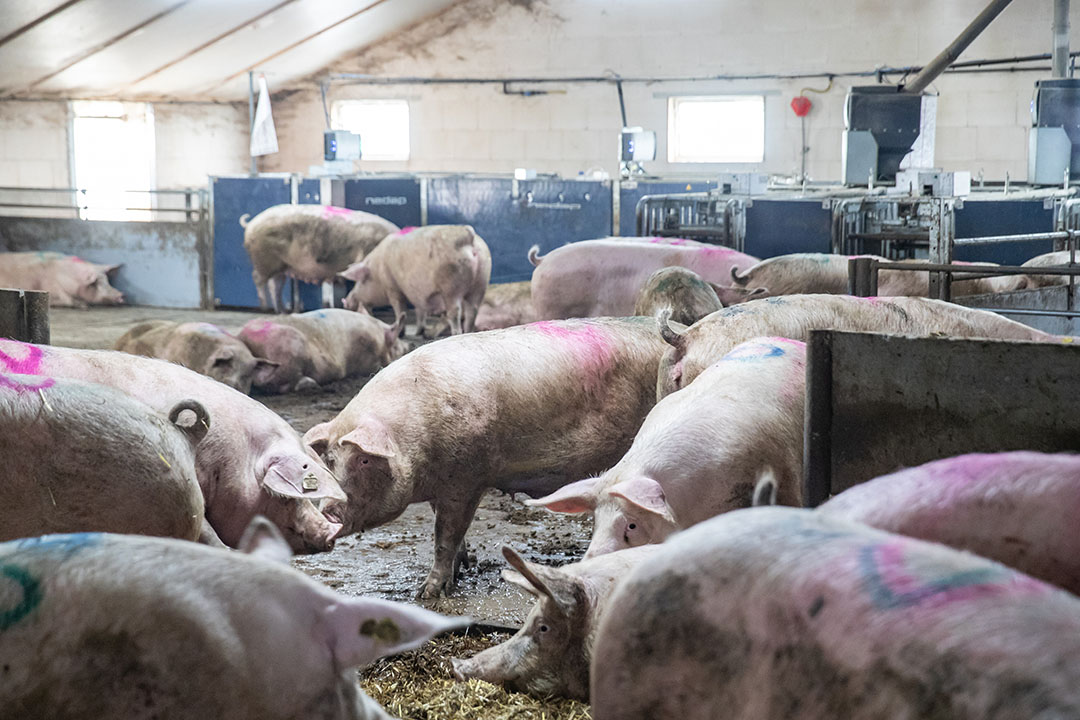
1023,237
988,270
1025,311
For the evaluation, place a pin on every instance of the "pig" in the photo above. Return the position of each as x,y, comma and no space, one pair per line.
83,457
250,462
595,278
319,347
99,626
506,305
710,338
549,655
1017,508
1053,259
523,409
69,280
199,346
810,273
683,291
701,451
786,613
436,269
312,243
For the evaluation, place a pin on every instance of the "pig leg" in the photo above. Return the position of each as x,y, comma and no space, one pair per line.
260,287
276,285
469,321
452,518
454,315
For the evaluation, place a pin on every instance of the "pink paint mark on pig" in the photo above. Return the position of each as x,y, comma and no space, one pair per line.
330,211
258,329
591,347
715,251
892,584
406,230
30,364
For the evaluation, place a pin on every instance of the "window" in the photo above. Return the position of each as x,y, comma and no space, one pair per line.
383,126
114,158
716,129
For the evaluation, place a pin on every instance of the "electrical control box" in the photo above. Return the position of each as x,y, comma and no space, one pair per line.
341,145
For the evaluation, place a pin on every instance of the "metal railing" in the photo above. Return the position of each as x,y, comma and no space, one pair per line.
187,204
705,216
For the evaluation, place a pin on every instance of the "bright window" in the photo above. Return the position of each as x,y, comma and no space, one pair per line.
383,126
114,158
716,129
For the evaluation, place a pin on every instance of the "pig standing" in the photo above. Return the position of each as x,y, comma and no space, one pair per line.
1053,259
69,280
319,347
100,627
809,273
312,243
596,278
700,452
783,613
682,291
550,653
1018,508
436,269
250,462
523,409
198,346
82,457
506,305
710,338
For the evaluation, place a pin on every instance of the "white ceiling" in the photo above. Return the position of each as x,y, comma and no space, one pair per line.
183,49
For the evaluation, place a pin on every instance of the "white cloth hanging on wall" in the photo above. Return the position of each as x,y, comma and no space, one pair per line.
263,134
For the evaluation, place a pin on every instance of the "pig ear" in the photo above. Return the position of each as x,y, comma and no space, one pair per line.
372,437
355,272
262,539
644,493
564,590
577,497
317,439
264,370
765,489
301,478
223,356
111,270
362,630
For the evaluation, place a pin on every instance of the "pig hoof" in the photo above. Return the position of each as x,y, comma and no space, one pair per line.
435,589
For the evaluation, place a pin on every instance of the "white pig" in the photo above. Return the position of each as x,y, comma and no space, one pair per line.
318,347
199,346
69,280
102,627
1018,508
523,409
550,654
84,457
783,613
506,305
700,451
308,242
437,269
710,338
250,462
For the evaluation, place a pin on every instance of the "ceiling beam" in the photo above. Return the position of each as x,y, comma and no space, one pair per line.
297,44
107,44
207,44
34,23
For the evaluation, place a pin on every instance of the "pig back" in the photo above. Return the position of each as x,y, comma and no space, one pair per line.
778,612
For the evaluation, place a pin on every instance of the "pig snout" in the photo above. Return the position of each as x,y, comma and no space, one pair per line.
308,543
486,666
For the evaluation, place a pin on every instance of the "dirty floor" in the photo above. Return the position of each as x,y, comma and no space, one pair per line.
390,561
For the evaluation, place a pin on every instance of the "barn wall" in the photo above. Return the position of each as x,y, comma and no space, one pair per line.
982,118
193,141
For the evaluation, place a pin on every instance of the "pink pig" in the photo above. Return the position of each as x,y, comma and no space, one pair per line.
69,280
700,451
250,462
522,409
1018,508
785,613
596,278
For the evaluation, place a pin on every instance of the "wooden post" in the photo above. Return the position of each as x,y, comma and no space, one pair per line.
24,315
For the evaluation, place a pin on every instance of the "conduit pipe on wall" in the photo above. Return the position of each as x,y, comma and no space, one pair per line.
949,55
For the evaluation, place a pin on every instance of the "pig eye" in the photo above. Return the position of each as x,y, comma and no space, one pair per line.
632,526
543,628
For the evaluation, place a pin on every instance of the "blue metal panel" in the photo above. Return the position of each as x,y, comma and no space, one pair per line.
779,227
630,191
396,199
548,213
233,197
1003,217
